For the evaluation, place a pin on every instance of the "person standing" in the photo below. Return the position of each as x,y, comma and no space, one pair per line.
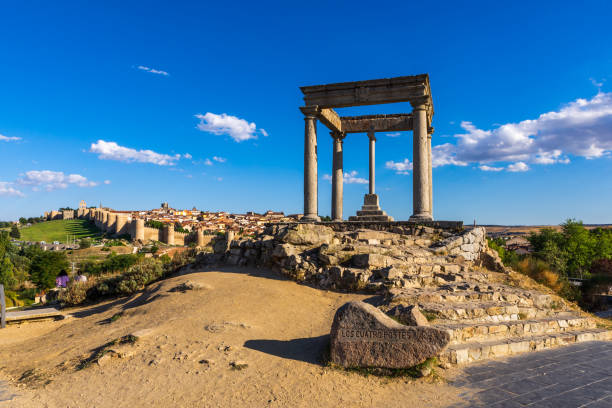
62,279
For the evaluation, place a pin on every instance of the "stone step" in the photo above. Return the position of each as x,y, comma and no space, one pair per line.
463,292
381,218
464,332
435,280
486,311
475,351
362,213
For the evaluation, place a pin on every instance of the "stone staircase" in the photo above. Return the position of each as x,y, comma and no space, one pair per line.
496,320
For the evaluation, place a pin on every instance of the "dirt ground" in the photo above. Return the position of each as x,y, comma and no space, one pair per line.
275,327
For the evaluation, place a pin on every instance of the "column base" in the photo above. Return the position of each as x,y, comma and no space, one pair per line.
370,211
311,218
420,217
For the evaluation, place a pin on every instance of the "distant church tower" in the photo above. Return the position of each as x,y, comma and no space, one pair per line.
82,205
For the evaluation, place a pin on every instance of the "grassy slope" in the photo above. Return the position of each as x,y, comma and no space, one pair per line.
58,230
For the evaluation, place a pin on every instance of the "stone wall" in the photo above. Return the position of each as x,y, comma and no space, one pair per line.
357,259
151,234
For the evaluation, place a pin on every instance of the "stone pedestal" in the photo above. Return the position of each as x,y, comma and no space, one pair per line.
370,211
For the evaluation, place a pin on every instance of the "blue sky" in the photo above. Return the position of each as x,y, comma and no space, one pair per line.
195,103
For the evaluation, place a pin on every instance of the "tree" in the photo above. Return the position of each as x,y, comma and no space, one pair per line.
15,232
84,243
23,221
45,267
579,247
7,277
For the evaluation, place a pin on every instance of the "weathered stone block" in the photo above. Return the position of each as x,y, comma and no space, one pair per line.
392,273
283,251
363,336
409,315
372,261
308,234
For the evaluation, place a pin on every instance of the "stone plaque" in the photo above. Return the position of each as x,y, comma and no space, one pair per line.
363,336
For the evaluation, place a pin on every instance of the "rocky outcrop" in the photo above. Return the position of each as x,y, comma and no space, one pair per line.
363,336
360,259
445,278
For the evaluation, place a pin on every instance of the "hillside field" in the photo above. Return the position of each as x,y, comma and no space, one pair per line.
58,230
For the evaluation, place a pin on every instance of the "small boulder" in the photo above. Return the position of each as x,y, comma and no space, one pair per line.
363,336
409,315
308,234
239,365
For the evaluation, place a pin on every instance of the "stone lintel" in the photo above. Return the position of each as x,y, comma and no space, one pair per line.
330,118
377,123
327,116
413,89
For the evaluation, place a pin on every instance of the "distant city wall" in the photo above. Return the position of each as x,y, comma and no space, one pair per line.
120,224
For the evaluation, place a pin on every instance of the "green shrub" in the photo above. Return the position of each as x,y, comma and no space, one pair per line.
135,279
113,242
113,263
76,292
85,243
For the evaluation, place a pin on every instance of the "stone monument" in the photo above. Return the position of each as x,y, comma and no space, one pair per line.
363,336
320,101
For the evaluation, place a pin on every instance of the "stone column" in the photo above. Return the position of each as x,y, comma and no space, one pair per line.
420,176
372,137
311,204
430,175
337,177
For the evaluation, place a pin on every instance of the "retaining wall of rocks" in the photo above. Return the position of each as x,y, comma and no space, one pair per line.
359,259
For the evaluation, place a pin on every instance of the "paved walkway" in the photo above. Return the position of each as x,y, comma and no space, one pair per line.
33,314
566,377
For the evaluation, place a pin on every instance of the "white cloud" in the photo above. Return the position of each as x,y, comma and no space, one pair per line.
403,167
6,189
153,70
107,182
581,128
219,159
349,178
208,162
224,124
396,134
53,180
112,151
596,83
8,138
517,167
263,132
484,167
188,156
219,178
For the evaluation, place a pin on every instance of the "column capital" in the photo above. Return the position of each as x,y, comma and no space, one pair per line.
337,135
430,131
419,104
372,135
310,112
